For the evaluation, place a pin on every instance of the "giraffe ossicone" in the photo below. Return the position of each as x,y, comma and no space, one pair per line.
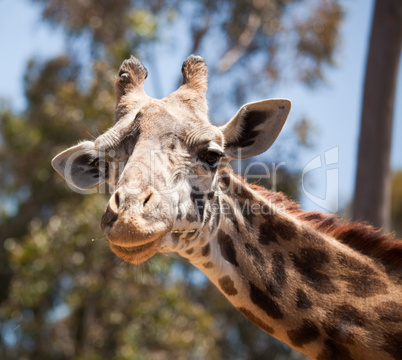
328,289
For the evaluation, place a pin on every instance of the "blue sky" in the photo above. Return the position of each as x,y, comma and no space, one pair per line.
334,109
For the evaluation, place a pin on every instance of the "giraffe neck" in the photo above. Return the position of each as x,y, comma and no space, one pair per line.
301,286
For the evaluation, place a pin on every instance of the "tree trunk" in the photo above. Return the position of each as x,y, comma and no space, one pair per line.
373,186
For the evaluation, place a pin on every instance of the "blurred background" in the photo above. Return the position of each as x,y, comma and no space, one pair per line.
63,295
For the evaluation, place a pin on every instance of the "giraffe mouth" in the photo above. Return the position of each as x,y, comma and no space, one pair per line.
136,254
183,231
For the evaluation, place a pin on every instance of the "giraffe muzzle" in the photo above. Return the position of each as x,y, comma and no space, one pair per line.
135,223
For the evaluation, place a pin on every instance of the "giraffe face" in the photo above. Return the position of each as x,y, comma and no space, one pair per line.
161,177
162,160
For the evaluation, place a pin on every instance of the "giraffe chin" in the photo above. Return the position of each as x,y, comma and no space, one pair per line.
136,255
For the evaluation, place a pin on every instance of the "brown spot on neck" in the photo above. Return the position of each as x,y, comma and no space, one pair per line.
227,248
227,285
265,302
256,320
305,334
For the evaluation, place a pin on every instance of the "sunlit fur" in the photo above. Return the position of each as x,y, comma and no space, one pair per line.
328,288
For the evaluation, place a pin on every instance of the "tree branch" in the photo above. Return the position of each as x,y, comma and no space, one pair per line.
245,39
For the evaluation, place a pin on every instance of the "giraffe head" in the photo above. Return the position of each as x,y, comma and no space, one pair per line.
163,158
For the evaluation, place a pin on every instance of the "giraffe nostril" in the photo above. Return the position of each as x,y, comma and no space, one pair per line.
117,199
108,219
146,200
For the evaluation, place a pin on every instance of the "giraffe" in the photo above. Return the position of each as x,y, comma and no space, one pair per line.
327,288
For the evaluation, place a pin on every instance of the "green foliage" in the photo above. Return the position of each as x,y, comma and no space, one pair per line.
273,39
317,39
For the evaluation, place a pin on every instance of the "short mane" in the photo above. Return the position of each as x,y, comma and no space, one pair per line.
359,236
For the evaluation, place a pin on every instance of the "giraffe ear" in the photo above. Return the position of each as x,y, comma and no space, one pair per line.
77,166
255,127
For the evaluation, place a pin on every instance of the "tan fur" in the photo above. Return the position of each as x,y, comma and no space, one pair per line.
328,288
359,236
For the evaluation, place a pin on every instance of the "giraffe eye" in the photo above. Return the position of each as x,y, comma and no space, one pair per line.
212,158
102,165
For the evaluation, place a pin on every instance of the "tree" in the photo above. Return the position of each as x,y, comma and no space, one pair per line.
372,197
396,203
273,40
